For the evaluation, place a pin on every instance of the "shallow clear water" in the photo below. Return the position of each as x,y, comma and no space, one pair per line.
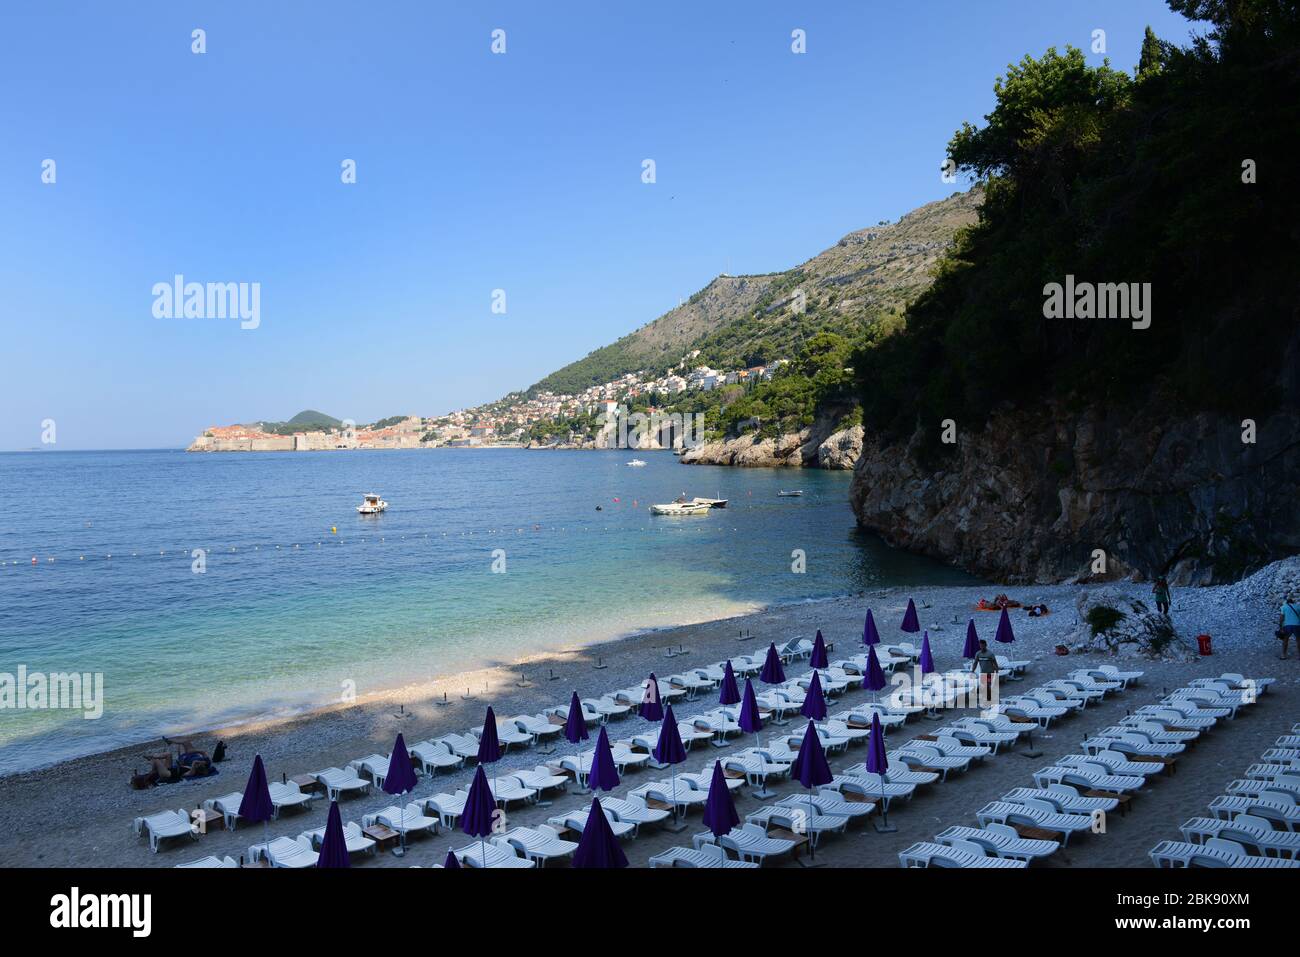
300,594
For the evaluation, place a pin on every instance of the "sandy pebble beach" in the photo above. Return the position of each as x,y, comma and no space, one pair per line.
80,813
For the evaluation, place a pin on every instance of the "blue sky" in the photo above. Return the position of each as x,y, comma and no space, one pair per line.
475,172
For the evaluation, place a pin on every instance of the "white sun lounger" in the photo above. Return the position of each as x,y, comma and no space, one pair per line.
508,733
507,789
749,842
287,852
1064,798
1000,840
1114,762
539,844
1153,731
213,862
1253,833
632,811
227,806
1036,813
1216,852
1124,677
374,766
540,779
830,802
607,706
448,807
1270,806
1095,778
463,745
703,780
408,820
806,819
992,741
165,824
433,755
684,797
1282,784
338,782
1130,744
576,820
538,725
756,768
1185,719
860,717
931,854
356,841
996,724
491,855
709,855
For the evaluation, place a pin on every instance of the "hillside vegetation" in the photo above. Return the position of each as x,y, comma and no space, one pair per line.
1111,177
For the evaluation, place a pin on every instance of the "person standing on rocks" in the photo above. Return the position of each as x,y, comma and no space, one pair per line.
1289,622
1161,590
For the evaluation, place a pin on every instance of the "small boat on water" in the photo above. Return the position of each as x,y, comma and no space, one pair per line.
679,508
371,504
636,463
710,502
794,493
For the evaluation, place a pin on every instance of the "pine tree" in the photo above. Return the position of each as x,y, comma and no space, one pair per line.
1152,58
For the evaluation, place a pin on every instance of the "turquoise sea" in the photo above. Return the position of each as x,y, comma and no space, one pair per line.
298,594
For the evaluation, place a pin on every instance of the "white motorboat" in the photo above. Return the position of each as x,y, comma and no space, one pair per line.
636,463
711,502
791,494
371,504
679,508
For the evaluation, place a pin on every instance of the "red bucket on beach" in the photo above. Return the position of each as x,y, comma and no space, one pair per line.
1204,645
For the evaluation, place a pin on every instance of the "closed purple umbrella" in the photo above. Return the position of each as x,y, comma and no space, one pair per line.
256,803
670,750
730,692
479,815
819,659
450,862
651,708
811,770
603,776
927,659
878,763
598,847
772,673
870,636
575,729
814,702
401,776
972,646
751,722
489,745
719,810
910,621
1004,633
875,676
334,845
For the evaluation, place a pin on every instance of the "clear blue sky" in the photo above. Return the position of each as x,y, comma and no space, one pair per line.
475,172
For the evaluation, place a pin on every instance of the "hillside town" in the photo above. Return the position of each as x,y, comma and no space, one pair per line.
518,419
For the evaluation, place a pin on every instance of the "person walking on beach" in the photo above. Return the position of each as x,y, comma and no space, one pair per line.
985,663
1289,622
1161,590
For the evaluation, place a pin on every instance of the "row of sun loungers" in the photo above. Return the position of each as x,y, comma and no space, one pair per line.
1256,822
1066,799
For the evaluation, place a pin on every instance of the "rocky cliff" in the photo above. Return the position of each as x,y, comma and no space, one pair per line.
1052,493
814,447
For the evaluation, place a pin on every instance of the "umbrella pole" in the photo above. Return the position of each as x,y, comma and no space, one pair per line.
885,827
762,793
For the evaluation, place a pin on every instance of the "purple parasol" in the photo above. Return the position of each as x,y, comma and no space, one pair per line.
1004,633
401,776
598,847
651,708
479,816
927,659
256,804
814,702
819,659
812,771
489,745
910,621
603,775
878,763
334,846
870,636
575,728
772,673
730,693
875,677
750,722
451,863
719,810
669,748
972,646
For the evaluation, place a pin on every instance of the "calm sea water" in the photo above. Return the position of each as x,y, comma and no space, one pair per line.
300,594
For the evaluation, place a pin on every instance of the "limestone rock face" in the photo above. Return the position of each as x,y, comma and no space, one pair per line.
1056,494
1137,631
813,447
